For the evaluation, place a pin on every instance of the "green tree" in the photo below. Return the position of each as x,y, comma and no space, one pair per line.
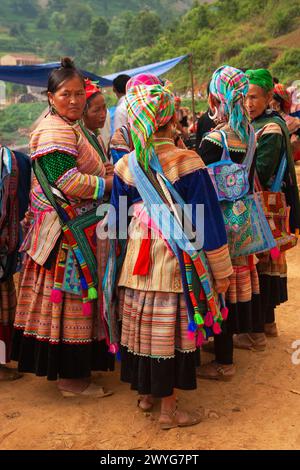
58,20
79,17
144,29
97,39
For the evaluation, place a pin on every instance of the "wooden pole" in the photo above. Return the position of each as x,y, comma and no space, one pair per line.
193,89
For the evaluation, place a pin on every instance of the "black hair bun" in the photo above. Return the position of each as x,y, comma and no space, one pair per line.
67,63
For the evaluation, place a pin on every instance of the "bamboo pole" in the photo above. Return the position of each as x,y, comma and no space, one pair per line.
193,88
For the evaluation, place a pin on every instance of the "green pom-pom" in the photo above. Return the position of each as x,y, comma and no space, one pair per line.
198,319
92,293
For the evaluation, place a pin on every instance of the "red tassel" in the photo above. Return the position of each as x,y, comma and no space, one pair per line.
224,312
209,320
275,253
217,329
113,348
200,339
87,309
191,335
56,296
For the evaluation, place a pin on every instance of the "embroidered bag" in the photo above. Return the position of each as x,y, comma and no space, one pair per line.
276,210
246,226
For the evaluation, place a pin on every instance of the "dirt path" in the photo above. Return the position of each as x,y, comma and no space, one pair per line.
259,409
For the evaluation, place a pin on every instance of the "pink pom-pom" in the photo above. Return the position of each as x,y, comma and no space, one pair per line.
217,329
224,312
191,335
275,253
113,348
56,296
200,339
87,309
209,319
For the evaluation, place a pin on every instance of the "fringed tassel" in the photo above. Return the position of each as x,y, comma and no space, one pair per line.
87,309
209,319
198,319
113,348
224,312
200,339
216,328
275,253
92,293
56,296
56,293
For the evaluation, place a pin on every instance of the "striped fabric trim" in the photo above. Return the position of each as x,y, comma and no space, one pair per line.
176,163
271,128
234,143
219,261
53,148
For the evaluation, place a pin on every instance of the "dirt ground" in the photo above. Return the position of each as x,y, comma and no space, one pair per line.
258,409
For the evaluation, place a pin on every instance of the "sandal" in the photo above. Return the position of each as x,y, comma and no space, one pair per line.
179,419
215,371
144,403
91,391
8,374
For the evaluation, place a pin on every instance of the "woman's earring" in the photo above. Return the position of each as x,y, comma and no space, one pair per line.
215,115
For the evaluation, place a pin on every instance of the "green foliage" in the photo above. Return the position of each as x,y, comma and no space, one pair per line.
255,56
17,116
144,29
286,67
281,22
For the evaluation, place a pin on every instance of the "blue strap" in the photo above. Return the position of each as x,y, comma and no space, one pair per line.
276,185
248,160
174,233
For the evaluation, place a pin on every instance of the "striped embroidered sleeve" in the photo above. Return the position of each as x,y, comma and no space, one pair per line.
219,262
61,170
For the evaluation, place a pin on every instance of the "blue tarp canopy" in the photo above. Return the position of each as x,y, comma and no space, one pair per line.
37,75
158,68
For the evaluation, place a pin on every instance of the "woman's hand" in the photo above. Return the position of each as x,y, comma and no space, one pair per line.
109,167
222,285
108,183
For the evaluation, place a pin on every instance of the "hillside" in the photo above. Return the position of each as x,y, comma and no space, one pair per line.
104,38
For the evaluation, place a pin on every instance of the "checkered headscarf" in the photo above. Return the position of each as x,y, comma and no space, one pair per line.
149,108
230,86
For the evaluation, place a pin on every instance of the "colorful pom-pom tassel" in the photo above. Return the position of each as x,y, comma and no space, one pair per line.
224,312
209,320
92,293
198,319
87,309
275,253
192,326
191,335
217,329
56,296
113,348
200,339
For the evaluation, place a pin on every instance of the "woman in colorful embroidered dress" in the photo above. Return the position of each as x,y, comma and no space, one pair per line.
55,335
228,89
93,120
14,199
157,353
273,143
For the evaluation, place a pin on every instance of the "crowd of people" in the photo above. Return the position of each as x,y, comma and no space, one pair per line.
151,297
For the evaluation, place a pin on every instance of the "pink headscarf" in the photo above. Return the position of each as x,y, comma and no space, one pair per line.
143,79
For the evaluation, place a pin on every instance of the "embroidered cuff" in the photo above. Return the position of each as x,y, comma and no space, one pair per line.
100,188
220,262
